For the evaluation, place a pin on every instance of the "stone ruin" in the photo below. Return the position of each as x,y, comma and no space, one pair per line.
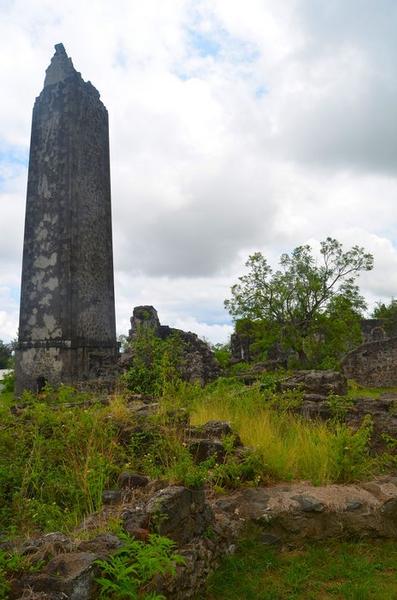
198,361
374,362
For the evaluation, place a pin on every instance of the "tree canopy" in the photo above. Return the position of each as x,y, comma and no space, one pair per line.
388,314
298,300
5,355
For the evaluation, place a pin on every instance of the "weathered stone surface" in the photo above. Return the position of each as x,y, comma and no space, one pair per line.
299,511
67,318
111,496
316,384
205,441
132,480
47,545
309,504
373,330
383,413
212,430
135,520
179,513
287,514
71,575
373,364
198,361
202,449
102,545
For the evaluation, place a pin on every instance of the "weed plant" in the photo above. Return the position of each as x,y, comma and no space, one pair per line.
289,446
11,565
128,572
54,463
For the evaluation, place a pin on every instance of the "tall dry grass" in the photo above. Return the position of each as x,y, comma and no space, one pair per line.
290,446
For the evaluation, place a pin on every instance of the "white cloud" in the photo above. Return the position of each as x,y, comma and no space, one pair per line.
233,128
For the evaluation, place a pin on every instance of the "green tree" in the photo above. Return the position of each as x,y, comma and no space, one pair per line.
5,355
388,314
305,300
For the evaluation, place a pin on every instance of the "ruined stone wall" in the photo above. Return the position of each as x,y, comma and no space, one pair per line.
373,364
373,330
199,363
67,295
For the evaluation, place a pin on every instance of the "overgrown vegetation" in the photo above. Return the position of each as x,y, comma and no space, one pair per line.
387,313
5,355
54,463
11,565
310,310
355,570
132,567
287,446
60,450
156,363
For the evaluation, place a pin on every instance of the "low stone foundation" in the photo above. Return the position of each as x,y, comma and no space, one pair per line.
288,514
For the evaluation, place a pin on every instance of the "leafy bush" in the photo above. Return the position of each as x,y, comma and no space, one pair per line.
222,354
351,452
128,571
8,382
11,564
156,363
340,406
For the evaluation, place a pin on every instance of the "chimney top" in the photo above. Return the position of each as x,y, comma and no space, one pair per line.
60,68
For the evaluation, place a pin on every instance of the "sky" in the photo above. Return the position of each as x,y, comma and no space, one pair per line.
235,126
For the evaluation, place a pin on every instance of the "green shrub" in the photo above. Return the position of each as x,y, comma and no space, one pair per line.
11,564
128,571
8,382
351,451
156,364
222,354
340,406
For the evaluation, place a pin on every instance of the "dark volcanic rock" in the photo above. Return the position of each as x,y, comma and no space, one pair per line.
179,513
316,384
211,429
206,440
206,448
103,545
309,504
69,574
373,364
135,521
132,480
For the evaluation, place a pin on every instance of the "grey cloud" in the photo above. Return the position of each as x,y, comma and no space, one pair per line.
224,213
342,112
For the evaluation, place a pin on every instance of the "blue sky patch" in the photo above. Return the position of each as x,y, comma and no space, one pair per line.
12,160
204,43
